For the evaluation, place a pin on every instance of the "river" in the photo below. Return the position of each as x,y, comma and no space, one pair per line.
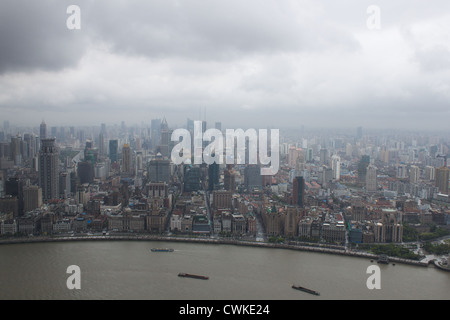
129,270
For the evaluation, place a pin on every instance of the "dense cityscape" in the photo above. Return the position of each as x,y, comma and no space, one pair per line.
382,192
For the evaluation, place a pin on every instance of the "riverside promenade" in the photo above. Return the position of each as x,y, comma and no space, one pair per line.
299,247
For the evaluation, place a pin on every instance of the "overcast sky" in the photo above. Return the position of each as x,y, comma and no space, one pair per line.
248,63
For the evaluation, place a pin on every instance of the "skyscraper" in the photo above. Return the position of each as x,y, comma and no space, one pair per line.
192,179
298,191
213,176
362,168
336,167
359,133
310,155
85,171
43,130
371,178
430,173
49,169
414,174
293,155
229,179
252,176
155,132
126,159
324,156
166,145
401,171
442,175
159,169
32,198
101,140
113,146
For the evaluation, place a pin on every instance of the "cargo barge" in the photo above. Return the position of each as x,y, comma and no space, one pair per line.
306,290
162,250
187,275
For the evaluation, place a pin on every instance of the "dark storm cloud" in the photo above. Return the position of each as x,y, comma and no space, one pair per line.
33,35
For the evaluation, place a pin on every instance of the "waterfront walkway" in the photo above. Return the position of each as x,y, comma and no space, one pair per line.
299,247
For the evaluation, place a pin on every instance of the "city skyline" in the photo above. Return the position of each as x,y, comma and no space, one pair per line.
256,64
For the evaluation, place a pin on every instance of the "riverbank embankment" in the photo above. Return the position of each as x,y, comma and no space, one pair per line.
309,248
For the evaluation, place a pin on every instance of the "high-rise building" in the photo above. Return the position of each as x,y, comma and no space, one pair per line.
30,140
49,169
414,174
32,198
213,176
159,169
401,171
252,176
348,150
324,156
359,133
101,140
155,132
371,178
430,173
310,155
126,159
113,150
192,179
43,131
298,191
166,145
229,179
362,168
293,155
85,172
442,175
336,167
16,154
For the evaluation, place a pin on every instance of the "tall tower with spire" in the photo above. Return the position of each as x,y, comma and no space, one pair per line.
165,146
43,130
49,169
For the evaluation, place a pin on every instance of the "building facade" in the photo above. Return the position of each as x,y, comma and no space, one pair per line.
49,169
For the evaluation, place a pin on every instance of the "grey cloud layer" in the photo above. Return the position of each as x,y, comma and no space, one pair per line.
256,57
33,36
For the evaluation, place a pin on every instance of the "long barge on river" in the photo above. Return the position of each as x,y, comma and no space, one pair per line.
194,276
306,290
